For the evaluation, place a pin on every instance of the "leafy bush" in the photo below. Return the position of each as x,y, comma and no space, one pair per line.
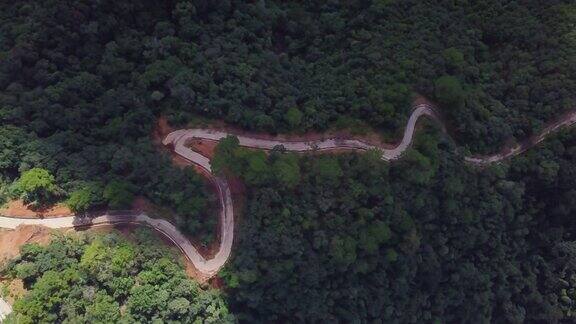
36,187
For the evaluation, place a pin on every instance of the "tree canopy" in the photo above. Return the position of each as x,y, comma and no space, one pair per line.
324,238
423,239
110,279
36,186
256,167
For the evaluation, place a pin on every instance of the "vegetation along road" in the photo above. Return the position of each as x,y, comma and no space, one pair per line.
179,140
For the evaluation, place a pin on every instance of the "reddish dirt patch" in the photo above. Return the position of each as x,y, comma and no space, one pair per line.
193,273
179,161
12,240
204,147
217,283
208,252
237,186
17,208
142,204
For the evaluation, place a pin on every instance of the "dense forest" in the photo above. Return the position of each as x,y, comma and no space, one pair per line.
322,238
72,121
82,82
499,68
423,240
86,78
109,279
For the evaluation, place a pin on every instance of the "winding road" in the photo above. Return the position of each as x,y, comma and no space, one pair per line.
179,140
181,137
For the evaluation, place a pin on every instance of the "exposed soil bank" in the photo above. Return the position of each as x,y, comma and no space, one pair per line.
17,208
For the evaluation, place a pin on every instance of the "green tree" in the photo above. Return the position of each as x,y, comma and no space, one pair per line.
36,187
225,155
454,58
118,194
293,117
449,91
12,143
327,168
103,310
343,249
47,293
286,169
89,196
257,170
372,237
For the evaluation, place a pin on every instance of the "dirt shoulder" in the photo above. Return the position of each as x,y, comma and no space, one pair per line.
12,240
10,243
17,208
